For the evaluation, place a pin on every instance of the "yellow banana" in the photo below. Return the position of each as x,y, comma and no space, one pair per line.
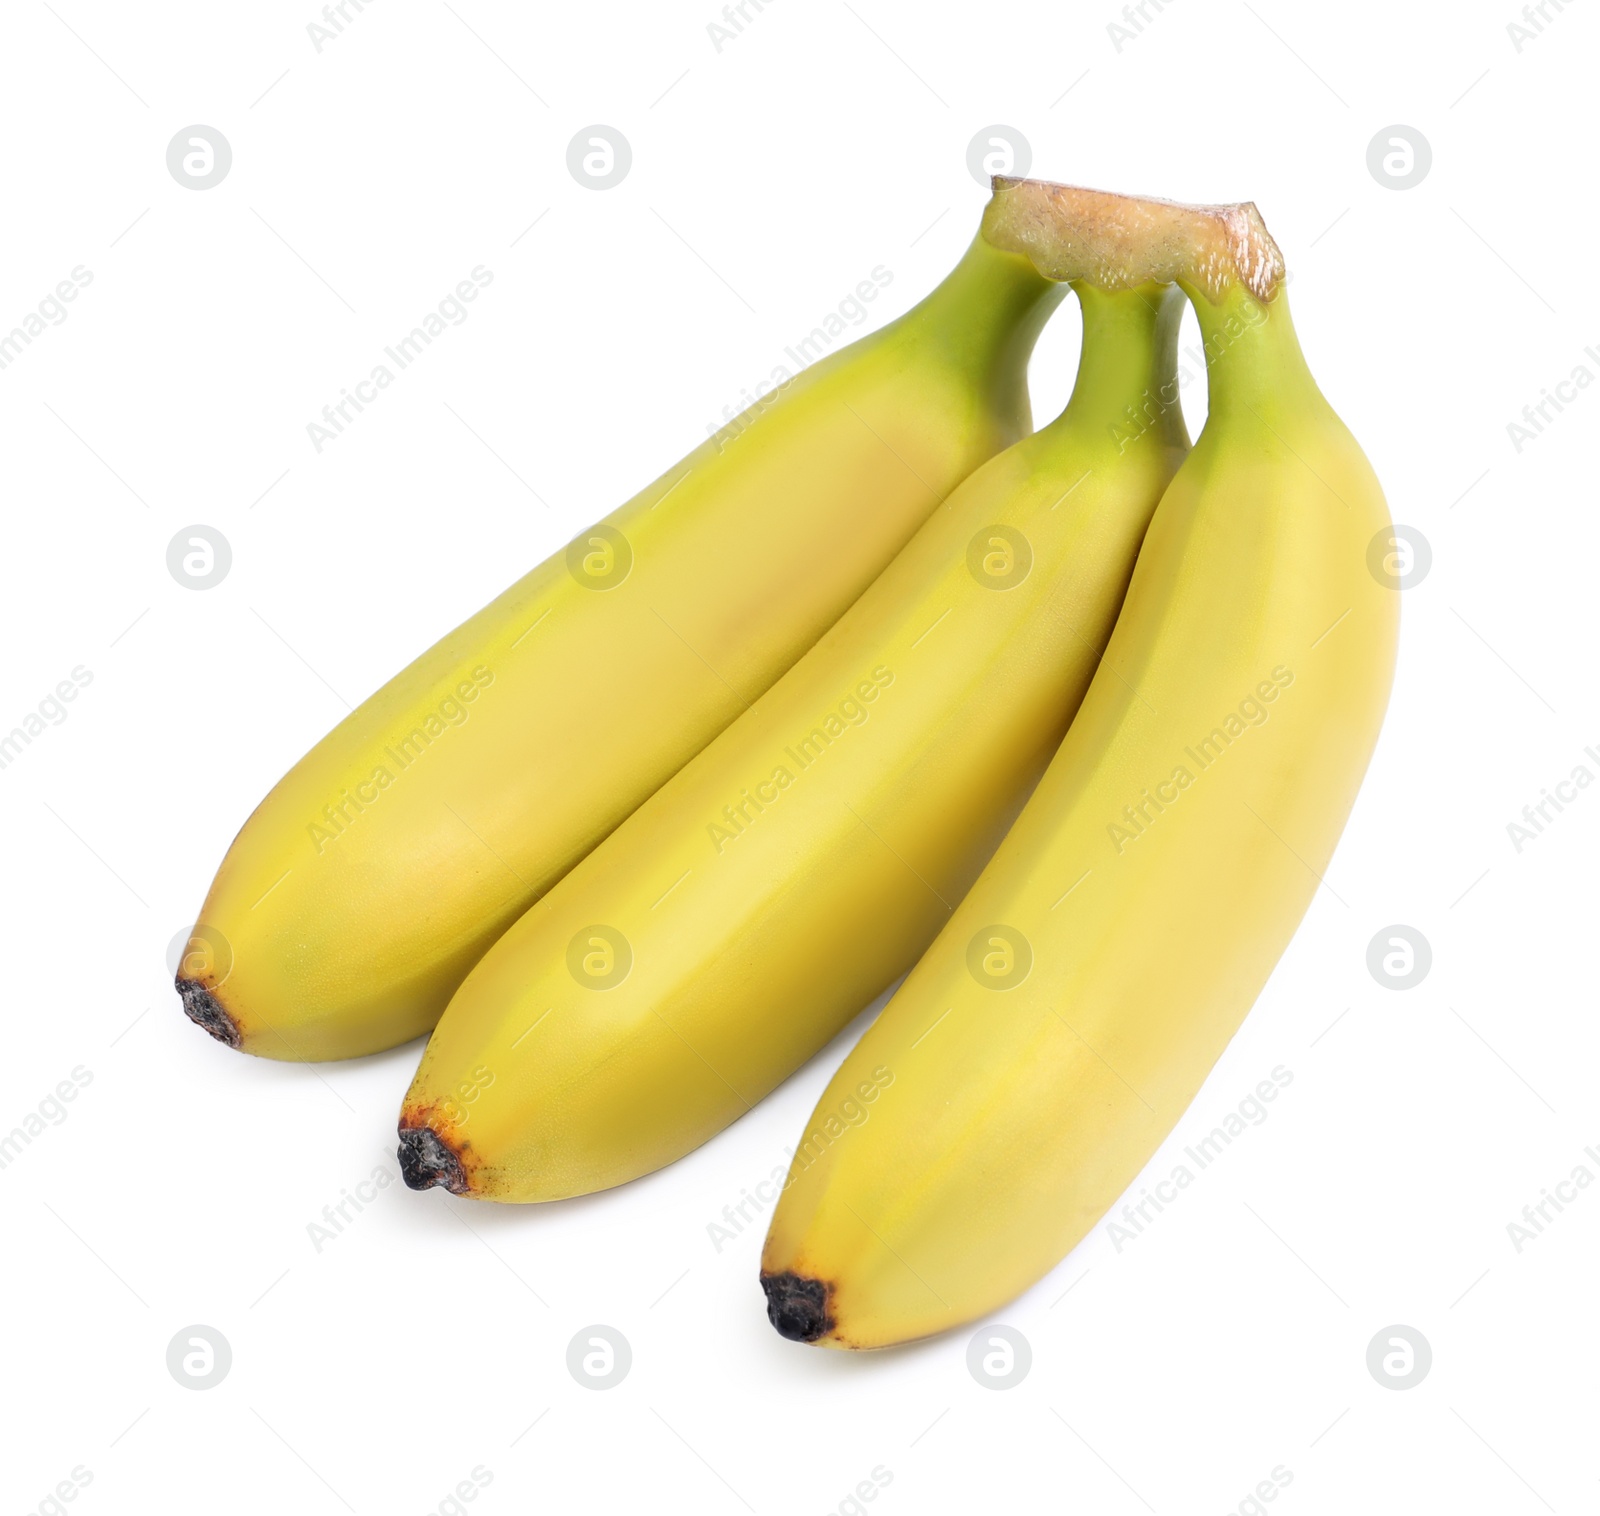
800,863
1069,1011
380,868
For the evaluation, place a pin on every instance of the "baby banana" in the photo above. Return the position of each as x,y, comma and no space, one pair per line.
801,862
1069,1011
380,868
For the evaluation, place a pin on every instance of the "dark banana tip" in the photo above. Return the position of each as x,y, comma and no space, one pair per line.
205,1010
425,1161
798,1307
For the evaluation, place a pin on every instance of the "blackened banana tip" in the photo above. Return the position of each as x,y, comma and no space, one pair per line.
797,1307
425,1161
206,1011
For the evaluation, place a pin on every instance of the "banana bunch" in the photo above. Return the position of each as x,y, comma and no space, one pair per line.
1066,724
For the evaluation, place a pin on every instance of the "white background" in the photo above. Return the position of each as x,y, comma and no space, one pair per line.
768,178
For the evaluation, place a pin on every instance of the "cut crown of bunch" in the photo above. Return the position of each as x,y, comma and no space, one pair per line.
1120,241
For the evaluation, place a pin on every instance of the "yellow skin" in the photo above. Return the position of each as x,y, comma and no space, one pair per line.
1006,1118
382,866
787,874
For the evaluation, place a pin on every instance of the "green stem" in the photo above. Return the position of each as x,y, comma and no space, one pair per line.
1127,380
984,318
1255,369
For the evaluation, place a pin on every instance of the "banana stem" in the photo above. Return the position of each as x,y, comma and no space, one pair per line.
983,319
1036,238
1221,256
1128,369
1255,368
988,289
